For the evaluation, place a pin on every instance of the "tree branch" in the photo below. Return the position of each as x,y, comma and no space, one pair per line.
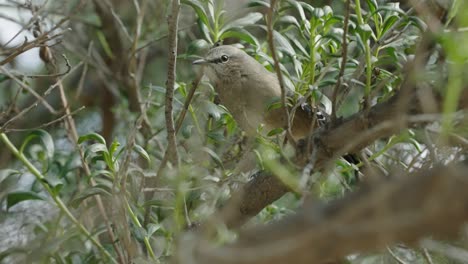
404,209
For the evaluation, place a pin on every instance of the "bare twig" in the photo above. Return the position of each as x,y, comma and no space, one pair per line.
344,58
271,45
188,100
395,256
171,154
173,22
29,89
48,123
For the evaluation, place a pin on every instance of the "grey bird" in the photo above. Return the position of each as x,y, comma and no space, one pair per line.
247,90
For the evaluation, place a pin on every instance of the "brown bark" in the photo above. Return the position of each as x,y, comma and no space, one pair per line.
404,209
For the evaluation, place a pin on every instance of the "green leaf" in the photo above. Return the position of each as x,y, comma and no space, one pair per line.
275,132
140,150
199,10
17,197
258,3
310,9
214,156
213,110
88,192
298,7
372,5
3,77
105,45
187,131
327,11
365,31
153,228
92,136
249,19
45,139
105,173
216,136
241,34
292,38
195,46
98,149
205,30
290,20
283,44
388,23
113,148
8,182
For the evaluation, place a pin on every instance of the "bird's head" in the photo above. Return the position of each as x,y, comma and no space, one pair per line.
224,63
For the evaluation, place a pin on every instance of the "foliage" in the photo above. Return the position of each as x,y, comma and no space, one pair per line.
100,180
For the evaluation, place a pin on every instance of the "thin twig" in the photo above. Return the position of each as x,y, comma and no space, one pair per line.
173,22
397,258
271,45
188,100
171,154
344,57
48,123
427,256
29,89
27,45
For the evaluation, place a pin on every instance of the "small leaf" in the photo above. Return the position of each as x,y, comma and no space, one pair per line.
105,45
199,10
140,150
275,132
187,131
213,110
8,182
327,11
92,136
17,197
45,139
388,23
96,149
299,9
3,77
241,34
216,136
95,190
205,30
195,46
310,9
372,5
153,228
113,147
283,44
105,173
214,156
365,31
290,20
258,3
249,19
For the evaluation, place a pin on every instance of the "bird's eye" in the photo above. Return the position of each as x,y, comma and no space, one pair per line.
224,58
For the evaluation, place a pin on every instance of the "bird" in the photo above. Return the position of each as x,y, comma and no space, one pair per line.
248,90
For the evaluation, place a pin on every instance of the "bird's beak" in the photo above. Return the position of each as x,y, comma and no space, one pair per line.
200,62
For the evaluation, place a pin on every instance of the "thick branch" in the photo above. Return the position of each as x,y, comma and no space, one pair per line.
349,136
405,209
